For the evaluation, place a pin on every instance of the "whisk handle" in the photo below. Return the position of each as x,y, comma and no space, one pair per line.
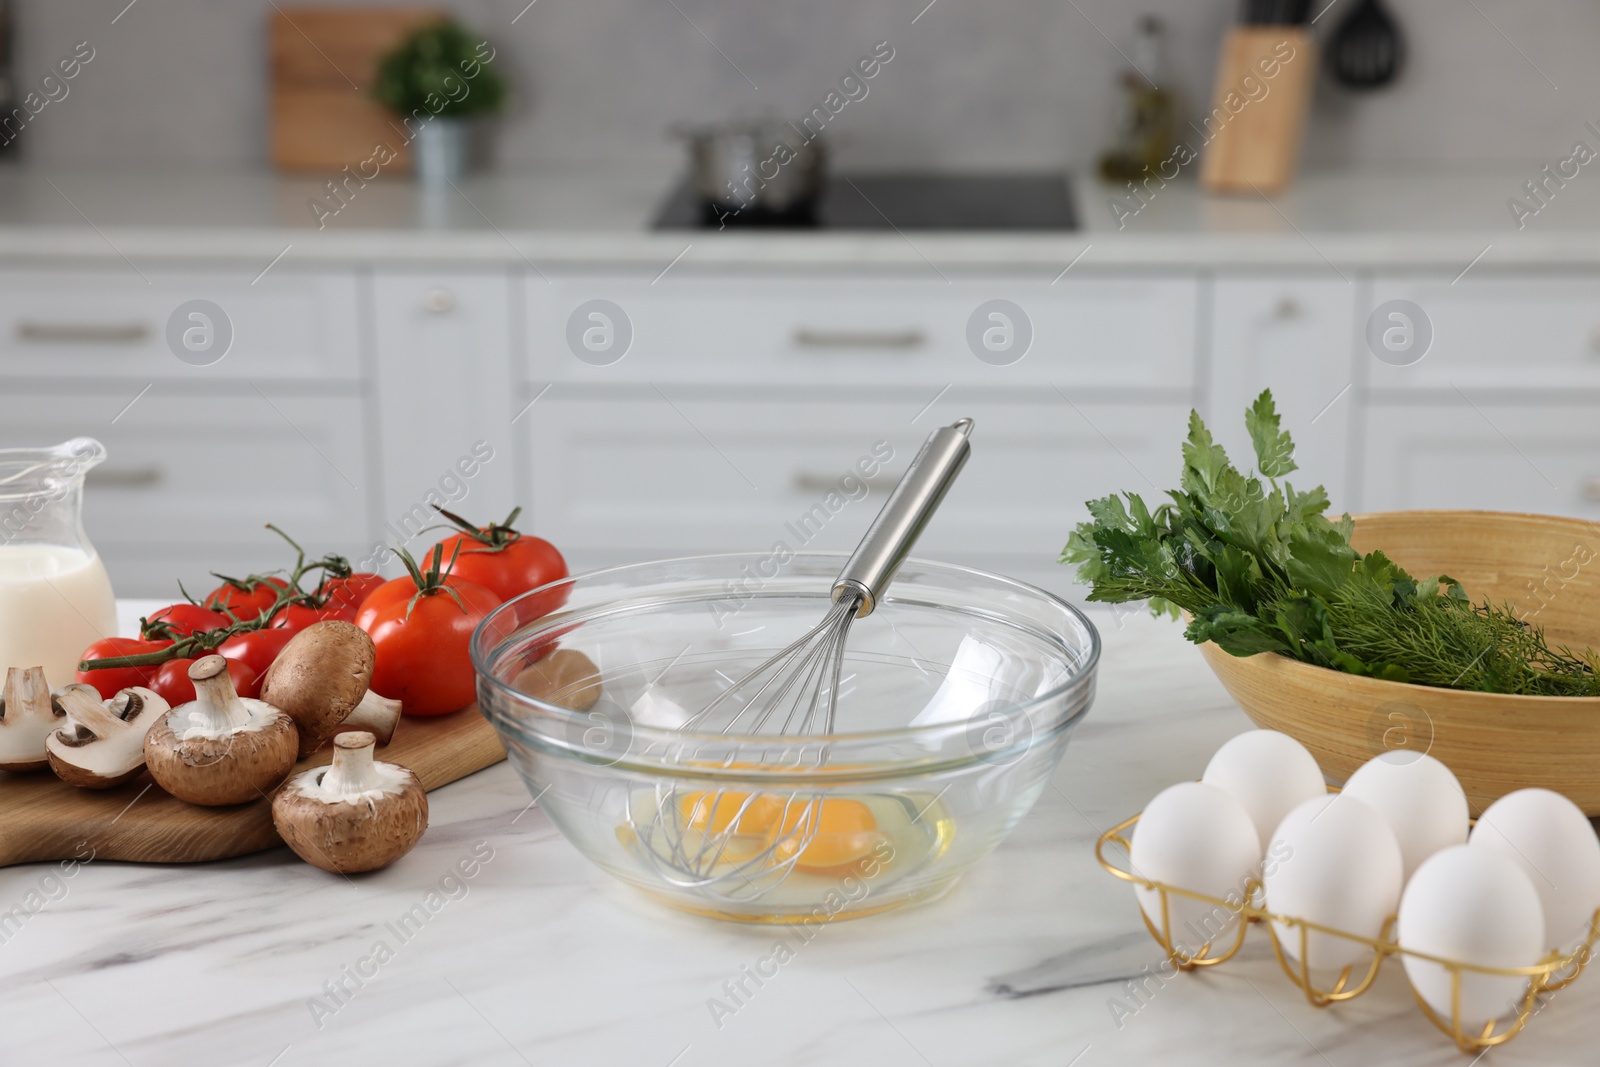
888,542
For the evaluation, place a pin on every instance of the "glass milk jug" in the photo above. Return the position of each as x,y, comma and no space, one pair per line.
55,597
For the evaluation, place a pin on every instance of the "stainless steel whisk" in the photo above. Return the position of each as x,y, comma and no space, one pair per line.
693,836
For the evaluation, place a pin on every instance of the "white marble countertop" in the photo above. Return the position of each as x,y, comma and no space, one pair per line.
539,959
576,220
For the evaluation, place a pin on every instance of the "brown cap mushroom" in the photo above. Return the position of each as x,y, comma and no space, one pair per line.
565,677
220,748
320,681
101,744
355,815
26,719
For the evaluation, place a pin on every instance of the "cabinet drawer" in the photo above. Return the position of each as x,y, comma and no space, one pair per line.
642,478
1542,459
1489,332
1108,333
100,324
193,478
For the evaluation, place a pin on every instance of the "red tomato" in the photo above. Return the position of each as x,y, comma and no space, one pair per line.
348,594
181,620
296,617
109,681
523,563
422,657
172,682
342,599
246,599
256,650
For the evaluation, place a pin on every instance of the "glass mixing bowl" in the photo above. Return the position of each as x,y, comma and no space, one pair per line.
956,700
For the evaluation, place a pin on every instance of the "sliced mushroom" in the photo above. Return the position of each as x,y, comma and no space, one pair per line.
355,815
26,719
320,681
101,745
220,748
565,677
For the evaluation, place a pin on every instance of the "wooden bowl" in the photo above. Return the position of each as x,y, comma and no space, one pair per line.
1548,568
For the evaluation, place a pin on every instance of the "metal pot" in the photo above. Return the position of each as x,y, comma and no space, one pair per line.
762,166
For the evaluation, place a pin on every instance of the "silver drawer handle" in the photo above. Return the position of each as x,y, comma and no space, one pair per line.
146,477
811,482
899,340
82,333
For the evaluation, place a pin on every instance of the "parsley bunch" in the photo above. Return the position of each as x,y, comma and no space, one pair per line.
1258,567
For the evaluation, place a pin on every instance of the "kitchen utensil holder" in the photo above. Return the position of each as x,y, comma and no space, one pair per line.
1554,972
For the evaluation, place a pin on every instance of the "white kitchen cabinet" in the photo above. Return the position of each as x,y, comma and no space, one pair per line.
445,398
1291,334
1492,332
192,477
677,472
1541,458
1100,332
112,323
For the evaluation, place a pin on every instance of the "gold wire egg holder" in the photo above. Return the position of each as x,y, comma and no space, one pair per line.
1554,972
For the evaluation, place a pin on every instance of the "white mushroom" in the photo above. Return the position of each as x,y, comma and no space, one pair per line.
320,681
26,719
355,815
219,748
101,744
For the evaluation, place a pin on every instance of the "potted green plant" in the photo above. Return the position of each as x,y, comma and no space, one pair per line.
437,81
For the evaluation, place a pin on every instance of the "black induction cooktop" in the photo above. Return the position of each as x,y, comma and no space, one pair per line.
897,202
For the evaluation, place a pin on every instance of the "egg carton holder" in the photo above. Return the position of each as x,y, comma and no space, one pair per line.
1555,972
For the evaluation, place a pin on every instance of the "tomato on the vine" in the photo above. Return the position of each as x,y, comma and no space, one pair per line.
349,593
246,598
421,626
109,681
181,620
505,560
172,682
340,599
256,650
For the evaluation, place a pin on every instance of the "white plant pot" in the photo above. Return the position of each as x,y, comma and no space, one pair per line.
439,151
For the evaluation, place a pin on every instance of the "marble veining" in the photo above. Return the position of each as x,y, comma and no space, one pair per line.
537,958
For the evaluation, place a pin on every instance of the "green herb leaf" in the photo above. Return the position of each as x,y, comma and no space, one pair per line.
1274,449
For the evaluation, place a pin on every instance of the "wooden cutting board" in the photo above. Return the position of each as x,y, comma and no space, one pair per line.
1257,120
324,61
43,818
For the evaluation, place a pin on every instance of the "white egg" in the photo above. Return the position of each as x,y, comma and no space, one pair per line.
1550,838
1468,905
1270,773
1199,838
1420,798
1333,861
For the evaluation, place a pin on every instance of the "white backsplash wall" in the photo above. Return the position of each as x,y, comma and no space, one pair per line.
996,84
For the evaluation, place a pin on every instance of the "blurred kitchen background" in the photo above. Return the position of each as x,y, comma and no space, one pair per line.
1389,223
1005,84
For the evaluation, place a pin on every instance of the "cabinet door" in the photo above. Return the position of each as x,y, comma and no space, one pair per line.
1294,336
445,398
286,324
643,477
1493,332
190,480
1542,459
1108,333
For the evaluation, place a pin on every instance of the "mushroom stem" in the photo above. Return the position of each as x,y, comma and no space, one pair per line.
377,715
217,710
353,771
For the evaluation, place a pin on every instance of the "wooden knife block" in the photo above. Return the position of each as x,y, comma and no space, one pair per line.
324,63
1258,111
